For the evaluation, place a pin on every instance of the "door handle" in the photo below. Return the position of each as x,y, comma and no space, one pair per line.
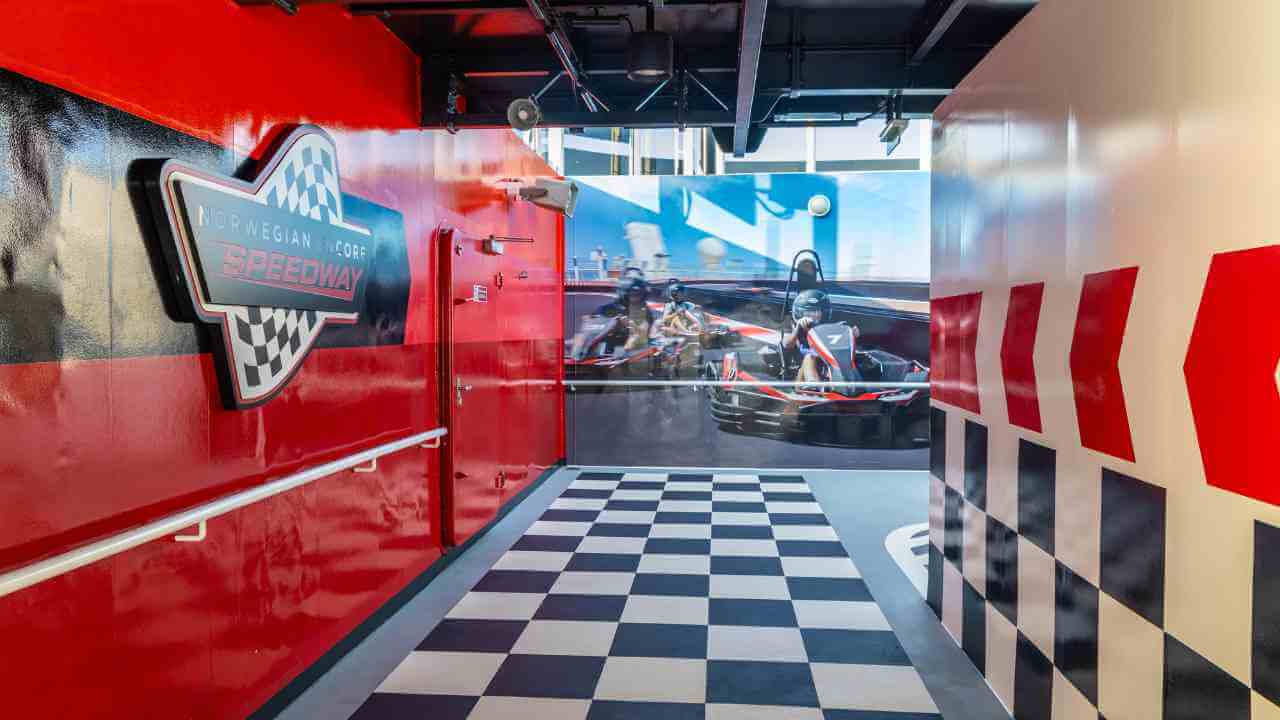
459,388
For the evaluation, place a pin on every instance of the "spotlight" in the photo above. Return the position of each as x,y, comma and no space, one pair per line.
523,114
650,54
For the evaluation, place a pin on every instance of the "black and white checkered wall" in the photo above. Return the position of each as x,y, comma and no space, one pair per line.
1064,638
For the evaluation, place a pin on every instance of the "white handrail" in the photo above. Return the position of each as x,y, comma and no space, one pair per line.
26,576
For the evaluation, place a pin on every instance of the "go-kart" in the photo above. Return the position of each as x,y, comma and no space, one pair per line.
599,352
826,413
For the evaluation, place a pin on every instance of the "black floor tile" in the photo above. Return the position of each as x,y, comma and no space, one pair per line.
736,487
699,495
516,581
811,548
547,543
581,494
789,497
405,706
642,505
474,635
734,565
603,562
727,506
760,683
562,676
661,584
850,589
618,530
570,515
598,608
688,477
861,647
877,715
682,518
657,640
741,532
624,710
609,476
757,613
641,485
798,479
798,519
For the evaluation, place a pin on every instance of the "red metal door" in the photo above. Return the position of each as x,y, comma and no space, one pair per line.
471,396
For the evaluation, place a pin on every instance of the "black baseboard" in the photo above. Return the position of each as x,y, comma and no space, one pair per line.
305,679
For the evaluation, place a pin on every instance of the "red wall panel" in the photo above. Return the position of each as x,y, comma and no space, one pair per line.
213,629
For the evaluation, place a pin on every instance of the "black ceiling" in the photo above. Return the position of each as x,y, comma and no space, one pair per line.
837,58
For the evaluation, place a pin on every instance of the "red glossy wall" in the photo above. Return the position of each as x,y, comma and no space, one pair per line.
95,444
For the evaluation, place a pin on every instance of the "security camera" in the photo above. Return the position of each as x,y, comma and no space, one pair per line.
524,114
561,195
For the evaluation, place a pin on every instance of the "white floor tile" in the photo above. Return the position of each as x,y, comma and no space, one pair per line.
766,644
634,517
792,508
653,679
736,496
443,673
594,484
523,708
565,637
676,564
496,606
884,688
804,532
644,477
785,488
636,495
592,583
734,478
619,545
698,506
739,518
690,486
761,712
578,504
744,548
674,530
819,567
666,610
754,587
533,560
840,615
551,527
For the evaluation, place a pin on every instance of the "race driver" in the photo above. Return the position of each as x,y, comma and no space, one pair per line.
679,316
631,307
811,308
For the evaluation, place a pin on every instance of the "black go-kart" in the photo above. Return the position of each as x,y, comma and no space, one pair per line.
743,397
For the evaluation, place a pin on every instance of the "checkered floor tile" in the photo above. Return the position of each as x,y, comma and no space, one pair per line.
664,596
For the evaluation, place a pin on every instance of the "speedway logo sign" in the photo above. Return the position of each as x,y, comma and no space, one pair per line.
269,262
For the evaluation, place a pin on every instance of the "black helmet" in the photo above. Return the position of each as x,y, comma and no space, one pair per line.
632,285
676,292
814,304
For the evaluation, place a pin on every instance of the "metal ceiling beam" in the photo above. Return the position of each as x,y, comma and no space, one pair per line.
938,17
750,44
616,118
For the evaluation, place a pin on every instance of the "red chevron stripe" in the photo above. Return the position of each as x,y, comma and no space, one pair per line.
1095,361
953,339
1016,362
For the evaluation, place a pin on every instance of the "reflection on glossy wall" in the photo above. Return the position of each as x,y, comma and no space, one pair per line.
1105,511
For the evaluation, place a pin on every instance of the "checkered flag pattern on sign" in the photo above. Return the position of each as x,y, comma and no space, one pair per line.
268,341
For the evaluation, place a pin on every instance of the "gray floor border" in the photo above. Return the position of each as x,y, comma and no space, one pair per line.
862,505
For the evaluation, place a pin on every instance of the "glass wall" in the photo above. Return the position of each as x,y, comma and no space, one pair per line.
750,320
